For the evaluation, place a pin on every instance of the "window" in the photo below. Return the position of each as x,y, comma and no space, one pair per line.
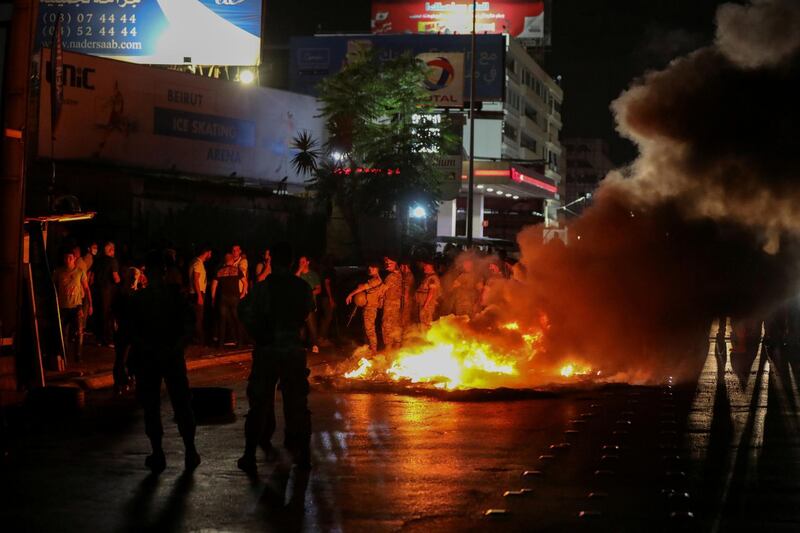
552,160
510,131
513,100
511,66
527,142
531,113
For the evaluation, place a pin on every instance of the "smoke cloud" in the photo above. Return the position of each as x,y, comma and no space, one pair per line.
704,223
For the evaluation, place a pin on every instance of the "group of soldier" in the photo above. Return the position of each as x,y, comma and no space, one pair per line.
407,305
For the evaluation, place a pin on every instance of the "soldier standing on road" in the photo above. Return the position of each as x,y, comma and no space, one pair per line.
392,324
160,327
275,313
467,289
407,304
371,300
428,294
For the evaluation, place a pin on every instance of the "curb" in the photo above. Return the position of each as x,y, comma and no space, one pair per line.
105,380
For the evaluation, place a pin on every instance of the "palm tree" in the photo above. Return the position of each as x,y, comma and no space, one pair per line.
305,159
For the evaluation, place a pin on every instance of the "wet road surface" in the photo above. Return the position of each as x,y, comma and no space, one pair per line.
721,454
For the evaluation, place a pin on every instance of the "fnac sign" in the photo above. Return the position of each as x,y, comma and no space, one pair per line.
444,78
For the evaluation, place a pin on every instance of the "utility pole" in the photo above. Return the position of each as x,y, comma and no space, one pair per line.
471,180
13,167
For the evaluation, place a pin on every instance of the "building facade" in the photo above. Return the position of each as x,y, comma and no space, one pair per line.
587,163
521,135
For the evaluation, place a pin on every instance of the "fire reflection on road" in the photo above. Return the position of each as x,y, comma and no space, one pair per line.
729,428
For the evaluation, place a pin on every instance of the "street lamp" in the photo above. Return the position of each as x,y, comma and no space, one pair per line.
471,183
247,77
418,212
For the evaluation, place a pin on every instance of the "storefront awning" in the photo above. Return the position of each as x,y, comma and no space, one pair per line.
506,178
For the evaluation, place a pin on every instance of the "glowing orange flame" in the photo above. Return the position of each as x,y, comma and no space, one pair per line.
450,356
454,354
573,369
363,367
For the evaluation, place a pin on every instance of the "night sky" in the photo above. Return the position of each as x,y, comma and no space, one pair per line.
599,46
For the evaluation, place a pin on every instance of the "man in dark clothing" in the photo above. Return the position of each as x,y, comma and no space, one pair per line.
106,279
160,328
275,313
225,297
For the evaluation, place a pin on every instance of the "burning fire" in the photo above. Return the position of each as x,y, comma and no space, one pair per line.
573,369
363,367
451,356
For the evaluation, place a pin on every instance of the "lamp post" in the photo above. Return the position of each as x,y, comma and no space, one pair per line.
471,177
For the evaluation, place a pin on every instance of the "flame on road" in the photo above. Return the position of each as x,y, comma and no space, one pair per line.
574,369
451,355
363,367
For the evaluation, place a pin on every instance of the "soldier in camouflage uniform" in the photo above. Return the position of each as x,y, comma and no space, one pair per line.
275,313
392,325
408,307
428,294
372,291
467,289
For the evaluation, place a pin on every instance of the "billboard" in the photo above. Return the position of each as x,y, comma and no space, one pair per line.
165,120
157,32
444,78
518,18
314,58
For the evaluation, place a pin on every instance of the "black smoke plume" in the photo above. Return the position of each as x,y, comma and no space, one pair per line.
703,224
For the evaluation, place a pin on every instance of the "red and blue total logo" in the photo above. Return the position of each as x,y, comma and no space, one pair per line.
440,74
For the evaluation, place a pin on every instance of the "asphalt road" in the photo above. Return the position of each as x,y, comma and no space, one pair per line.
721,454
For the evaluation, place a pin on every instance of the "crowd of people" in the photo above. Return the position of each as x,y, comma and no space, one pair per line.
93,288
149,311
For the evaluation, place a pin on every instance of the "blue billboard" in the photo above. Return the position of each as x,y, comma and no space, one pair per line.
163,32
314,58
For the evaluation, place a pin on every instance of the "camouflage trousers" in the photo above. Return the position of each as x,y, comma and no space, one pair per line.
392,327
370,316
426,314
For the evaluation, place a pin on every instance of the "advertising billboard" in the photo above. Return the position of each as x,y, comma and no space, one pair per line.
518,18
165,120
314,58
444,78
157,32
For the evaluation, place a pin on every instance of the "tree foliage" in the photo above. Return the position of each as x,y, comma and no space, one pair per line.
378,115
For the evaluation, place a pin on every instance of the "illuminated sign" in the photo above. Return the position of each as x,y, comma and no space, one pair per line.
373,171
164,32
314,58
519,18
517,176
160,119
444,78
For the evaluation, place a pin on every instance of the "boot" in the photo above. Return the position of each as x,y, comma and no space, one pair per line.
156,461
